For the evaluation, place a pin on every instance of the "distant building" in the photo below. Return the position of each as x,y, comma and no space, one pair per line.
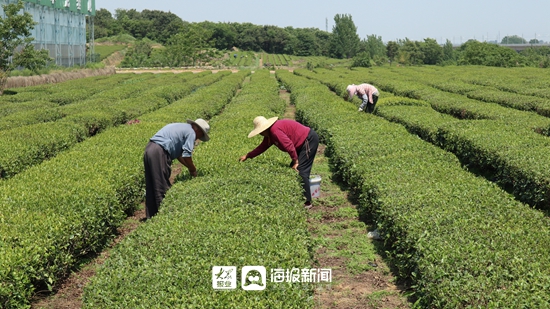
61,28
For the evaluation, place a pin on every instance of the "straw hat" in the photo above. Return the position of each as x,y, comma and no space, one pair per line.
261,124
205,127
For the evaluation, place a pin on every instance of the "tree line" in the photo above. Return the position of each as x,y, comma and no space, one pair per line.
189,43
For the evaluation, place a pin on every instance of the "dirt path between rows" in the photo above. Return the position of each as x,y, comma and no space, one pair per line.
361,279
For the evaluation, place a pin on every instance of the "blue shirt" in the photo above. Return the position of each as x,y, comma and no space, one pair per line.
176,138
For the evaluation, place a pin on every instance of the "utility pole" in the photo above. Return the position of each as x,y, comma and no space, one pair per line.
326,24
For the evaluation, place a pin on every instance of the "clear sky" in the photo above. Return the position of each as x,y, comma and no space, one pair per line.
458,21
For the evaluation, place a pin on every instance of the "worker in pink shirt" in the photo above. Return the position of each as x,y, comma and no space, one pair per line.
290,136
367,92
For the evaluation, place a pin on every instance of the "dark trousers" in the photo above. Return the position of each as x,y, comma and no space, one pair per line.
369,107
306,155
157,164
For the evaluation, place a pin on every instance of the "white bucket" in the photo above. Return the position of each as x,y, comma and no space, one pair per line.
315,185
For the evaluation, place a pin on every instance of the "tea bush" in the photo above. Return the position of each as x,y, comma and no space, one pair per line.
55,212
462,241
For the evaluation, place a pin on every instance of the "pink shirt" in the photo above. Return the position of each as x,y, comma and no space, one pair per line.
288,135
361,90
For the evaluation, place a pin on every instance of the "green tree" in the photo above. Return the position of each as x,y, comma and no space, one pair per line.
478,53
273,39
164,25
120,14
362,59
103,23
513,39
375,46
138,28
433,52
376,49
138,56
345,41
224,36
537,56
16,48
155,25
410,53
306,43
392,50
323,40
449,54
190,47
248,36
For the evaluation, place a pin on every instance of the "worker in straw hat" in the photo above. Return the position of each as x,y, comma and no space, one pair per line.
173,141
299,141
367,92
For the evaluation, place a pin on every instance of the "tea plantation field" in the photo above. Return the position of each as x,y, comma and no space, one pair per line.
453,166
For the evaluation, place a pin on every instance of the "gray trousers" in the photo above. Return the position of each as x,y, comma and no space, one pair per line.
306,156
157,163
